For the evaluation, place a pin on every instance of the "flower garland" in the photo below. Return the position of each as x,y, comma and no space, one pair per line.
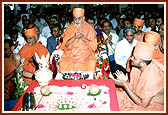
102,66
20,86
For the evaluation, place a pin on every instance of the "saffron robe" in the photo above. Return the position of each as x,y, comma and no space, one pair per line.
9,86
159,56
144,84
78,55
27,52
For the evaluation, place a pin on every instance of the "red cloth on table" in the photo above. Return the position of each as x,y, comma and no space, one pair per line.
107,82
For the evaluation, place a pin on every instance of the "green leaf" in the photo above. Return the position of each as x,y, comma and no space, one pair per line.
100,66
101,58
98,93
47,94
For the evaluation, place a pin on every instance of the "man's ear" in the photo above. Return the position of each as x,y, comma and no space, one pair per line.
38,33
83,18
37,38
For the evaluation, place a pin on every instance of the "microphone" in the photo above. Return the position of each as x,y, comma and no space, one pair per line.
21,62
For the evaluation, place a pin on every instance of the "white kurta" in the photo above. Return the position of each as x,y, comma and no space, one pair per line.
21,43
123,51
46,32
111,48
43,40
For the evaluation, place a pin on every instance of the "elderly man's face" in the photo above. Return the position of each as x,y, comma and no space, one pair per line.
78,20
129,36
31,40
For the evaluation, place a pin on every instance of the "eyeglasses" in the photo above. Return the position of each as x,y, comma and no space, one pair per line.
32,37
77,18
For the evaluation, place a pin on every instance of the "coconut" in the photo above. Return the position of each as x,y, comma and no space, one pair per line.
45,90
94,89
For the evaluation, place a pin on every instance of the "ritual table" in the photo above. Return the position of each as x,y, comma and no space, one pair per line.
70,83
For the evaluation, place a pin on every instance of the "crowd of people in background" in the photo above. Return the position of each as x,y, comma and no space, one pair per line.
117,33
44,17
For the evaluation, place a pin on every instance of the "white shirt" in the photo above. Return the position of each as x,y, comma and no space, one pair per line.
42,21
123,51
43,40
111,48
123,16
66,25
39,25
114,23
20,24
21,43
121,34
108,16
46,32
6,36
146,29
